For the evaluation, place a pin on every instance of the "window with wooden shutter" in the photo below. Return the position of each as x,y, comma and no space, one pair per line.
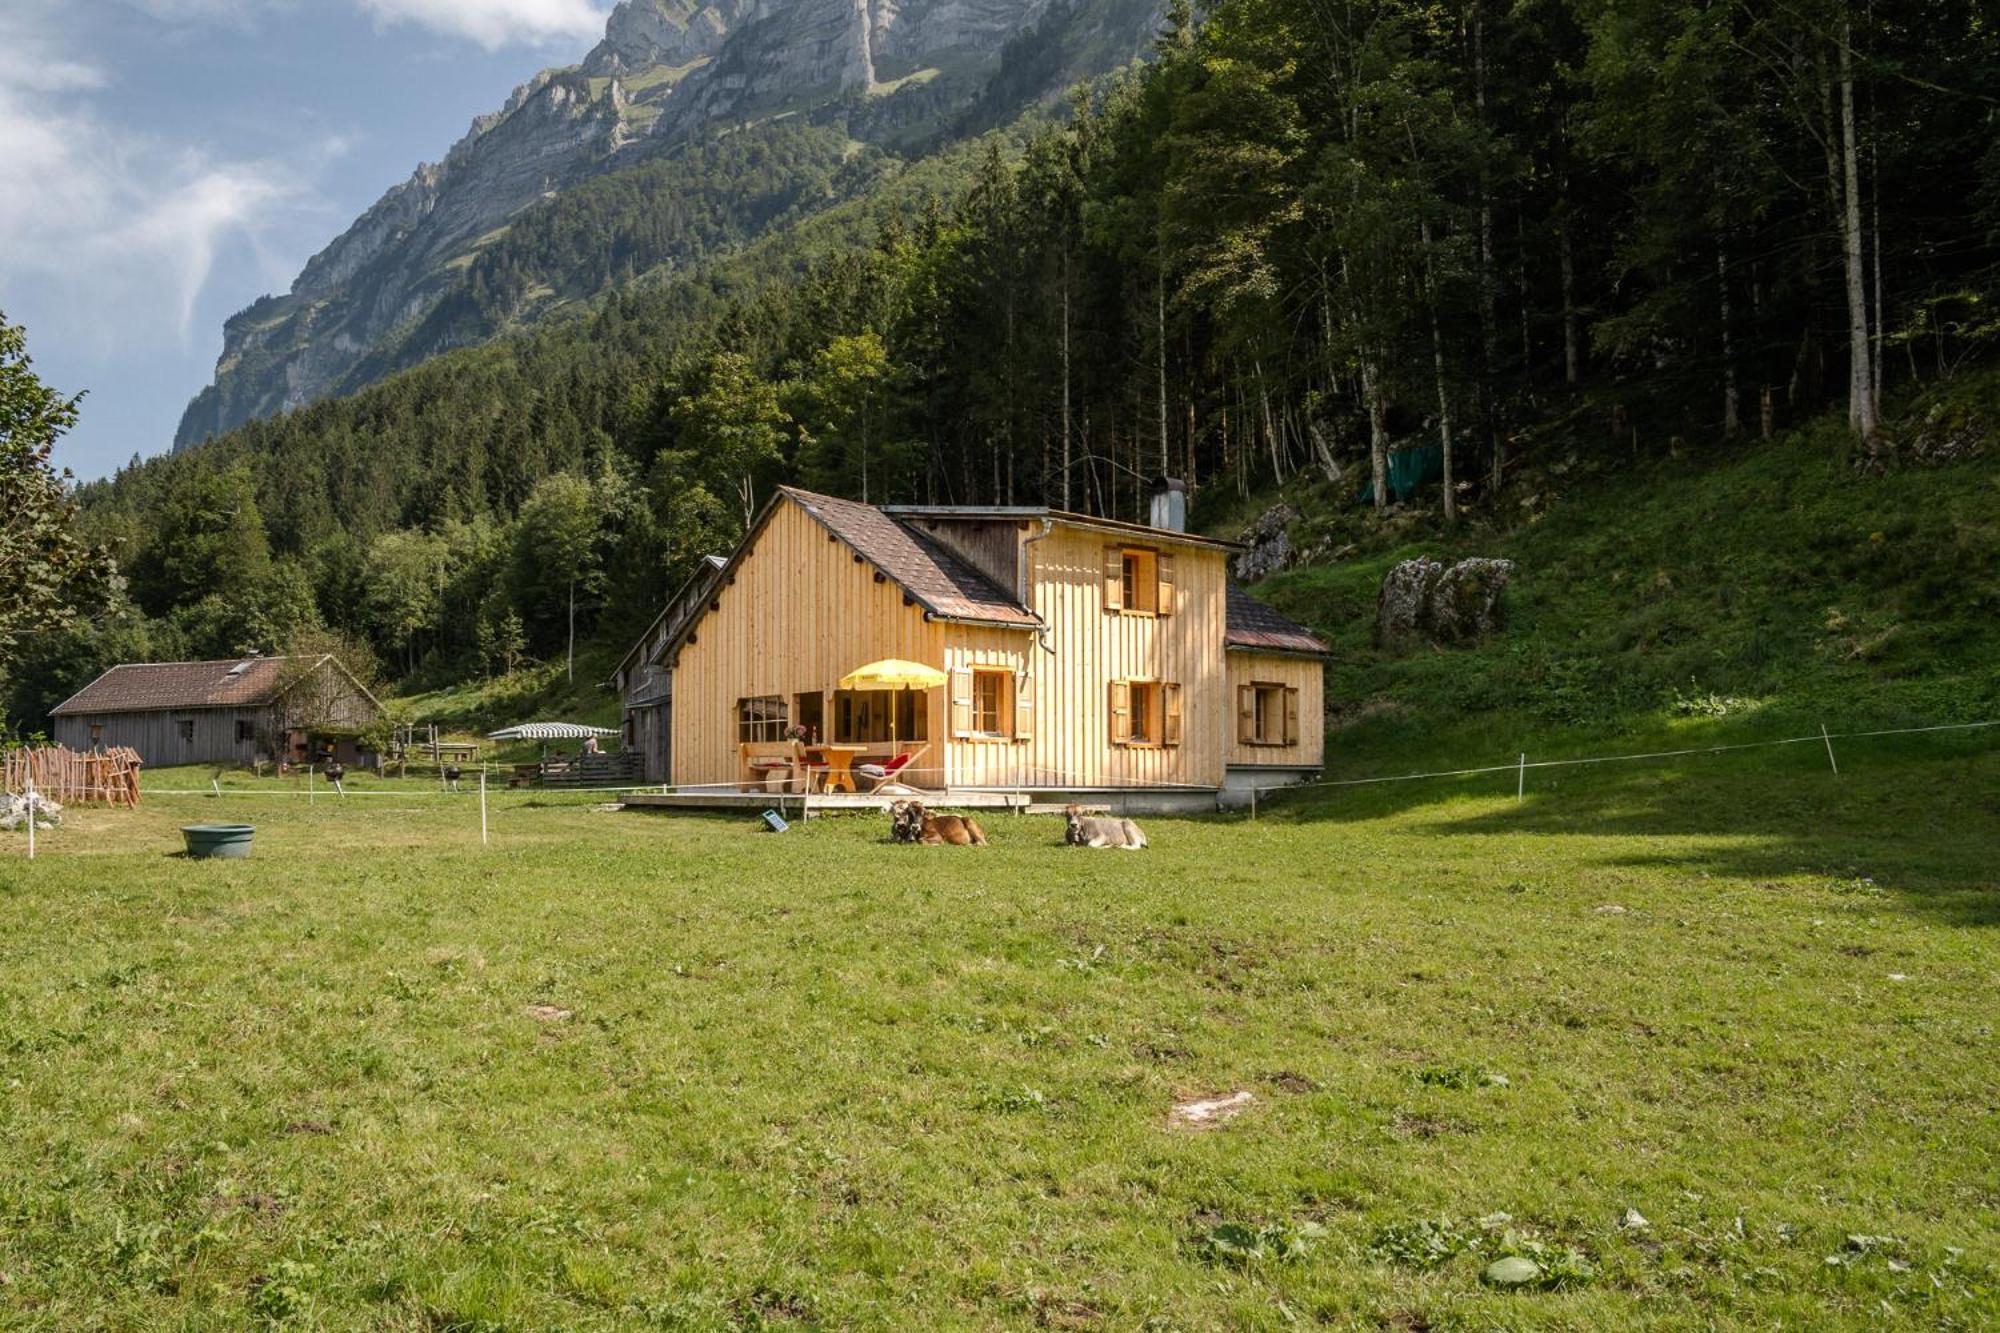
1121,712
1170,724
961,703
994,699
1138,581
1267,714
1145,720
1024,708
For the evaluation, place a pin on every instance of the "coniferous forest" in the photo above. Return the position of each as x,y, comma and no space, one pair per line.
1301,235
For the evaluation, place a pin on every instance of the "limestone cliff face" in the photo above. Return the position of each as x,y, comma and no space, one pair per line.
666,71
392,264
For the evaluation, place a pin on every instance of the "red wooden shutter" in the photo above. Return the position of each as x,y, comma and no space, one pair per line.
1121,712
1024,707
1291,717
1246,714
1114,579
1165,575
1170,728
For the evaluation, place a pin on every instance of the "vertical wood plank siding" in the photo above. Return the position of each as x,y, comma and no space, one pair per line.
1072,740
155,734
801,614
1304,674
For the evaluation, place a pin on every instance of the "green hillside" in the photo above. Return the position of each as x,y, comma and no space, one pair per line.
1763,587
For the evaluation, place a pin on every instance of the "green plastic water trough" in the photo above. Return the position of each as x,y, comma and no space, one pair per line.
221,841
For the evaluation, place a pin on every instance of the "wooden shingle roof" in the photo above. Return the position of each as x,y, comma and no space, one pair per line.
142,687
943,583
1255,625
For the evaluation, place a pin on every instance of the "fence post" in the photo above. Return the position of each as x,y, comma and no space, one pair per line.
1253,801
482,805
309,786
1829,749
1521,781
31,819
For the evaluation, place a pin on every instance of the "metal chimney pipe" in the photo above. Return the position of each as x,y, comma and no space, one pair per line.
1169,498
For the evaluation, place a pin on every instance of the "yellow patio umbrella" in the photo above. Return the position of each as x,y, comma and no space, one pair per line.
893,673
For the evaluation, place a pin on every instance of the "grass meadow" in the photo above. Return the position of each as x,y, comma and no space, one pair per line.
1712,1042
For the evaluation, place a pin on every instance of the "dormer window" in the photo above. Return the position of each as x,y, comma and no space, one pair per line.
1138,581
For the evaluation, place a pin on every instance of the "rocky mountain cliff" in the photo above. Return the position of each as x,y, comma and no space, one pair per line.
669,73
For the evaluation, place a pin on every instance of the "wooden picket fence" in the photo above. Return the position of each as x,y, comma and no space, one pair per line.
67,777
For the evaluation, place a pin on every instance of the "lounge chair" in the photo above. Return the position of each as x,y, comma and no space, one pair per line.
879,776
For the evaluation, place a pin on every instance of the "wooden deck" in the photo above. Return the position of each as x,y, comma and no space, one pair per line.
790,804
1031,801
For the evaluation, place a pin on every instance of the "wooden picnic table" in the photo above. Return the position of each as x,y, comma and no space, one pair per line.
838,762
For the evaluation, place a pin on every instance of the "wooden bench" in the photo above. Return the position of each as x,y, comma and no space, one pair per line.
759,762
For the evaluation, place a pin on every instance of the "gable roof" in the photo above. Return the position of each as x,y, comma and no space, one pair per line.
1255,625
232,682
697,585
943,583
931,576
948,587
948,513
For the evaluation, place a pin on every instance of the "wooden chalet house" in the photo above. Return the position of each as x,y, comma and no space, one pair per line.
1083,655
233,711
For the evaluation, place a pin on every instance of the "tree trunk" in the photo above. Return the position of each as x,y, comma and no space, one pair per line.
1160,301
1732,424
1879,332
1860,383
1437,371
1488,318
1521,274
1570,348
1378,432
1065,386
1189,475
1270,427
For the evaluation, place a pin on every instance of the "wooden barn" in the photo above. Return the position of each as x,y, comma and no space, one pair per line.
648,688
234,711
1079,655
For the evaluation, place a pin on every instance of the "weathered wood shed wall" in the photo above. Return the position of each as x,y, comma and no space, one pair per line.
220,712
232,736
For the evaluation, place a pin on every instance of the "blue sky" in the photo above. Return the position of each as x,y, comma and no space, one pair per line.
165,162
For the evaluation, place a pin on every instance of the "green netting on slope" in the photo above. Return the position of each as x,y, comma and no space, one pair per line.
1408,469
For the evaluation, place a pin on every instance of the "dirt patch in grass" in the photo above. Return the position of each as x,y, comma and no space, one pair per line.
1210,1111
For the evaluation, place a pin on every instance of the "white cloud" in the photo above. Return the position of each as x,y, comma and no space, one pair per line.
124,227
204,11
492,24
31,62
497,23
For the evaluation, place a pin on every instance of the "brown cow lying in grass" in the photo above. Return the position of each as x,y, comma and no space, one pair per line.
1084,830
910,822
